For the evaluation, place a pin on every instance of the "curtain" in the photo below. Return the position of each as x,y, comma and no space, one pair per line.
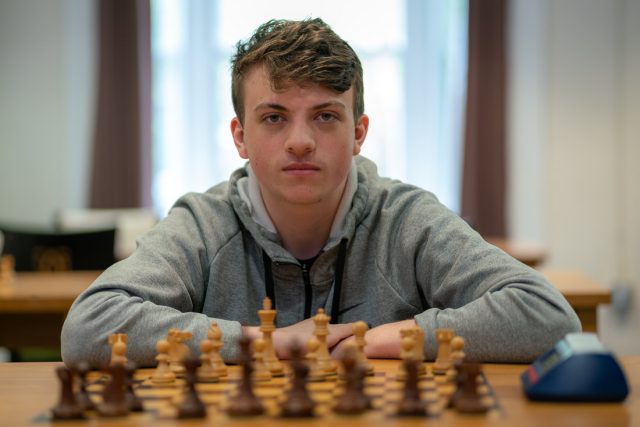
483,181
121,163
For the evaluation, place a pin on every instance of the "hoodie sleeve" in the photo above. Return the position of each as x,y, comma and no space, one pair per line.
505,310
160,286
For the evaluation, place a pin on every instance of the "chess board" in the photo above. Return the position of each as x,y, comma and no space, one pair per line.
384,387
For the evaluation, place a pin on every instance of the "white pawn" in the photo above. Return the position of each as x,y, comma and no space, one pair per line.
260,371
163,373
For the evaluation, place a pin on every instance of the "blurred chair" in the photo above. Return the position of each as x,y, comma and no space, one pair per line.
129,224
53,251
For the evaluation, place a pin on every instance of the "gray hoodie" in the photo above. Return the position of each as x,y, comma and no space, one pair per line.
394,253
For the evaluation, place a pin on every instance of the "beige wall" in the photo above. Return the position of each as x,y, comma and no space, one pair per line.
46,106
574,132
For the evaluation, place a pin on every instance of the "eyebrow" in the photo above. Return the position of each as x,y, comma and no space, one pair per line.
278,107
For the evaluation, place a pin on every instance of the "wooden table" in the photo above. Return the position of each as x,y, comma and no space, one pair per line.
583,293
33,306
29,390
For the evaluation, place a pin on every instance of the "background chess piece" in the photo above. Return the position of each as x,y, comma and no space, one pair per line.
191,406
315,373
325,363
267,327
118,343
82,396
214,334
260,371
360,329
411,404
354,400
178,350
298,403
245,402
114,397
163,373
443,359
67,407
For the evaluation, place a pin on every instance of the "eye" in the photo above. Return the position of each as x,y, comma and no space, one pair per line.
327,116
273,118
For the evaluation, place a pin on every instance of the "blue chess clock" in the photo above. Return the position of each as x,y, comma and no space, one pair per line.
577,369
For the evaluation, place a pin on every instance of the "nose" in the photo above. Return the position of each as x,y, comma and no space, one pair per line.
300,139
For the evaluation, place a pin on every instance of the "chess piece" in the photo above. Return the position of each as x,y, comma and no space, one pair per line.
457,357
67,407
214,334
260,371
118,343
133,402
443,359
298,403
245,402
82,396
353,400
191,406
418,336
321,331
315,373
206,372
178,350
114,397
467,400
411,404
360,328
407,344
267,327
163,373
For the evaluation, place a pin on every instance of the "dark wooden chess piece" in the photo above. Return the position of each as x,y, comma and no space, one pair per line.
191,406
245,402
354,400
298,403
114,395
133,401
411,405
83,398
467,399
67,407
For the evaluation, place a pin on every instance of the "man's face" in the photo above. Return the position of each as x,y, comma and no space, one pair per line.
299,141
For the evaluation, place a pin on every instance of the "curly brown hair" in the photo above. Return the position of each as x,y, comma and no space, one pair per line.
301,52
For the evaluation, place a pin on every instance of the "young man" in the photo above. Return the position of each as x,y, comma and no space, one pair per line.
309,223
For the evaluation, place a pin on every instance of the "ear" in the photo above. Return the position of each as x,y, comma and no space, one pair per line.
361,129
237,131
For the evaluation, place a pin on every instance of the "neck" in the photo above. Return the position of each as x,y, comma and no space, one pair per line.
304,230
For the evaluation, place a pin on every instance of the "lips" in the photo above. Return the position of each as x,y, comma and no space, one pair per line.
301,167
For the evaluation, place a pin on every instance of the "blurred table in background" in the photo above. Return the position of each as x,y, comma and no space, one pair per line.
527,253
583,293
33,306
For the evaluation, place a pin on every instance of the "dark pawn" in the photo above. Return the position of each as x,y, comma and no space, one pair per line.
191,406
467,399
245,402
67,407
353,401
133,402
114,394
411,405
298,404
83,398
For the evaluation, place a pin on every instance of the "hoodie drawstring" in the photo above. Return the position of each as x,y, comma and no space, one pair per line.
337,283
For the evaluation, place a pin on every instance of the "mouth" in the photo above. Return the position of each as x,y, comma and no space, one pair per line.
301,168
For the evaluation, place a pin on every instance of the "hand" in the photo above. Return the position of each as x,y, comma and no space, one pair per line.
302,332
382,341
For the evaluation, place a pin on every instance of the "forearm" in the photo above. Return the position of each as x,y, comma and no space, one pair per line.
510,325
94,317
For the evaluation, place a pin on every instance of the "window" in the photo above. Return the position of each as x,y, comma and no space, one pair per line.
414,59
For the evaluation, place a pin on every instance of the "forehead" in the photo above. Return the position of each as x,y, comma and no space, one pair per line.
258,87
